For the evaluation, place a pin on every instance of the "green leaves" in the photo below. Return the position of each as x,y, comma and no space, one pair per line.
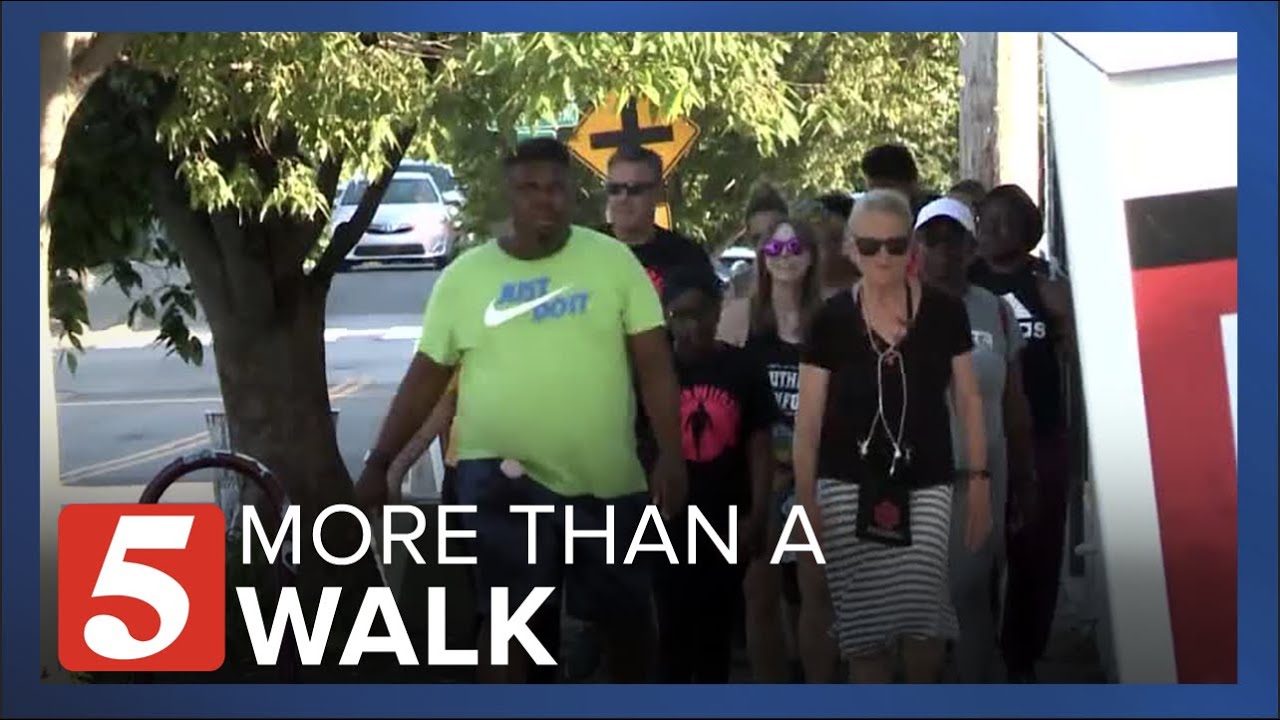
298,98
69,312
800,108
254,116
295,193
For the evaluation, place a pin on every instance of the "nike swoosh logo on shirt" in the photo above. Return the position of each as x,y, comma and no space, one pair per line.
493,317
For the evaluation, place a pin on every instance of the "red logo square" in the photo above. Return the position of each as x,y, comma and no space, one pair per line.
142,588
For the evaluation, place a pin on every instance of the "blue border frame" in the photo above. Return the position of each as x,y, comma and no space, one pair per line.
1254,695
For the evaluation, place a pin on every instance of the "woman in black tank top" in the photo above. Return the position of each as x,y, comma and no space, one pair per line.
1009,227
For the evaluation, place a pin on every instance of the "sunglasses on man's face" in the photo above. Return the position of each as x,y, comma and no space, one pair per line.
629,189
871,246
777,247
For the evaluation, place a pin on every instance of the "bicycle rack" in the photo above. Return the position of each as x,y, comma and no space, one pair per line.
270,487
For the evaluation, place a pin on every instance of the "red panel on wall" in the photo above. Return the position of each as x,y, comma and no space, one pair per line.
1179,314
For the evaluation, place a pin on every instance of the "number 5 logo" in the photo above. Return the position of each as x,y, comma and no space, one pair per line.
141,588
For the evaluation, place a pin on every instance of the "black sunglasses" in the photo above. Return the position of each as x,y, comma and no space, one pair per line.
871,246
630,189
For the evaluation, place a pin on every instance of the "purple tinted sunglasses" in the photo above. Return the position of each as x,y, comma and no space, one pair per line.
776,247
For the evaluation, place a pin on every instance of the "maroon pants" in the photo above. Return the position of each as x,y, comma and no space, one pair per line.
1035,554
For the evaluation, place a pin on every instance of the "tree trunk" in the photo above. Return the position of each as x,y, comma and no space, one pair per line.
69,63
274,389
1018,118
55,65
267,319
1000,110
275,392
978,65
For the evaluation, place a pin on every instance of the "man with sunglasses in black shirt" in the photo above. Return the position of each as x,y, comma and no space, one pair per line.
634,187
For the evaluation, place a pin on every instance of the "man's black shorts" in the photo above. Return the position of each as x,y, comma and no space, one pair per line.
597,591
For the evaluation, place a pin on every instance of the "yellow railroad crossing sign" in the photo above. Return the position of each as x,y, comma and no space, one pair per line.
662,216
607,128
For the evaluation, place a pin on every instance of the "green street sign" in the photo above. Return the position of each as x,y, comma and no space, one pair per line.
523,134
569,117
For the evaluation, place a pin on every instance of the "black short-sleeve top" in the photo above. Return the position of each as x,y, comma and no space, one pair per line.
837,341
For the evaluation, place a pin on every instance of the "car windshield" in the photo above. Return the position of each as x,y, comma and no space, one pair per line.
441,174
443,179
402,191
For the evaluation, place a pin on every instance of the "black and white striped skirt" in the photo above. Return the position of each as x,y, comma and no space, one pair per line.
881,593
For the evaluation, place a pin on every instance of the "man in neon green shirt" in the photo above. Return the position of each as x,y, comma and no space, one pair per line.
547,325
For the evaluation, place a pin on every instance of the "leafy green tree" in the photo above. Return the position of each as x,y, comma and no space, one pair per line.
801,118
513,79
852,91
235,143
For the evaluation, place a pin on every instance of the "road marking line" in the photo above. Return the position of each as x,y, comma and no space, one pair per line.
342,390
146,401
335,334
354,387
122,464
402,332
144,455
127,340
197,441
340,387
141,340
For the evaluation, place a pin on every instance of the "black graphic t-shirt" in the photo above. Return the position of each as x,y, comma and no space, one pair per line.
781,360
660,257
667,251
724,399
838,342
1041,372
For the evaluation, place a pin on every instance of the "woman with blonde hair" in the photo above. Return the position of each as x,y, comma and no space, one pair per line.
873,457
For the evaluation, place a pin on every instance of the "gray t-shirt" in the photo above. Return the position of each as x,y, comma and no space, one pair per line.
997,340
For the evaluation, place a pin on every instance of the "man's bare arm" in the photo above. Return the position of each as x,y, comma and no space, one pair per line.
419,391
659,389
435,426
660,395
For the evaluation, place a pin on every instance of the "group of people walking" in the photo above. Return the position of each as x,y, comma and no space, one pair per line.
892,368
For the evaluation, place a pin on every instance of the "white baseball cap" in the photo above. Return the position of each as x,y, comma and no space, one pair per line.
948,208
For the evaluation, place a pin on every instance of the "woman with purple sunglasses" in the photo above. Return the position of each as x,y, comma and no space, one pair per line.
787,291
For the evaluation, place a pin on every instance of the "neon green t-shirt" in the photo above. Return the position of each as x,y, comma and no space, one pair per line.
545,370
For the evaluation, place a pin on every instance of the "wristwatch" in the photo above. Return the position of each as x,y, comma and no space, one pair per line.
979,474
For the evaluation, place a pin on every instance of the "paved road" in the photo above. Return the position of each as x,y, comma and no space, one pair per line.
130,409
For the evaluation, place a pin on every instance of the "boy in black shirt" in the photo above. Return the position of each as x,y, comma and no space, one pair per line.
726,412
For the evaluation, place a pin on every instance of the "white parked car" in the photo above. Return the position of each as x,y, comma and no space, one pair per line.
738,259
414,224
